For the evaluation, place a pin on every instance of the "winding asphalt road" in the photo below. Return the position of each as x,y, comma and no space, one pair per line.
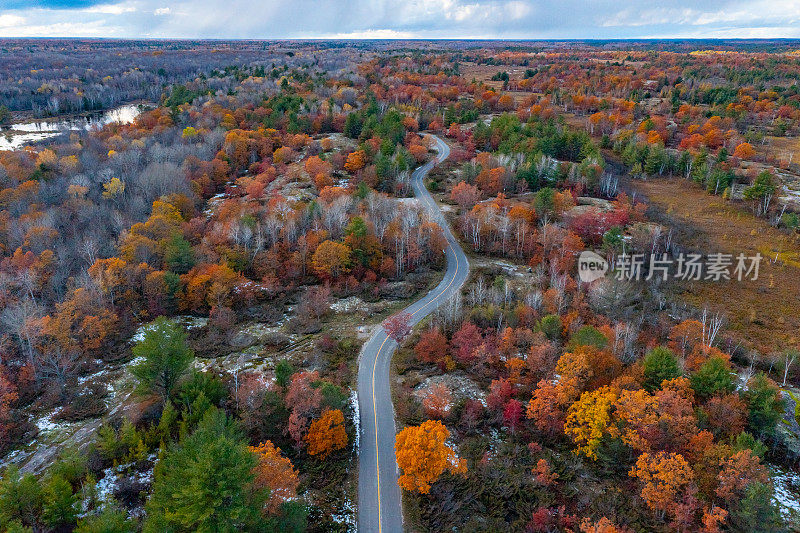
379,505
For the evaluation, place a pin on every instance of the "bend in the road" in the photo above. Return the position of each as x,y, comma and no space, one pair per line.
379,497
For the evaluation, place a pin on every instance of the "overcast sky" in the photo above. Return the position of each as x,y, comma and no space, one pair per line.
502,19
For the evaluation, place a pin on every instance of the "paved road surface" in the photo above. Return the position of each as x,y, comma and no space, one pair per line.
379,506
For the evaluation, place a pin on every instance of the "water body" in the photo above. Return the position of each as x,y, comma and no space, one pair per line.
14,136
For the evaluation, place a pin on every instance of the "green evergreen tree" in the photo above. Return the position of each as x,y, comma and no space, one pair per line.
111,519
353,125
20,498
765,404
756,512
712,378
659,364
60,507
588,336
178,254
166,357
551,326
205,483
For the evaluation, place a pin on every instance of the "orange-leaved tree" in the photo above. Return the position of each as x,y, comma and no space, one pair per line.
356,161
744,151
665,477
327,434
423,455
275,473
331,259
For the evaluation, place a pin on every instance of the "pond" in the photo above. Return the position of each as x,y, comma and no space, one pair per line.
14,136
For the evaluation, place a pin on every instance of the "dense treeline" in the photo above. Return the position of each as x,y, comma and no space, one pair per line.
73,76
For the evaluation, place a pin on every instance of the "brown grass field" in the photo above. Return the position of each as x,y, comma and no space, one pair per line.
781,148
484,73
764,313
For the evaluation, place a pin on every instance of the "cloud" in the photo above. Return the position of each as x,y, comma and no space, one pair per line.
60,28
390,19
9,21
110,9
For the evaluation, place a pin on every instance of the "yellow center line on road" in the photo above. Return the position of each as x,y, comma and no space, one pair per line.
374,406
374,365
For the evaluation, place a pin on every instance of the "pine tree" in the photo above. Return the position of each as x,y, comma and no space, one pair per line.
60,504
206,482
166,357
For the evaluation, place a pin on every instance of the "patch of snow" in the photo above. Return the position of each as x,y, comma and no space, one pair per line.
348,305
105,487
15,457
411,202
356,418
460,385
111,476
787,490
45,424
193,322
96,375
346,515
364,332
187,321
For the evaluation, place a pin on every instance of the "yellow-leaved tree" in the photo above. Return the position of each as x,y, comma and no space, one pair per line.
589,420
331,259
423,455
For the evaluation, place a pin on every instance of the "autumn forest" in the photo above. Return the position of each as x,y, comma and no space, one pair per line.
200,242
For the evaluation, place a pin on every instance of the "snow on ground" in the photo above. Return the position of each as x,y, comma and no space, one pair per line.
347,515
15,457
188,321
364,332
106,486
46,424
460,385
348,305
356,418
787,490
213,203
410,202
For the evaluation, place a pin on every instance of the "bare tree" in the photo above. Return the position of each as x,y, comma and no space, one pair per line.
314,303
787,359
625,336
17,319
59,366
381,210
711,326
